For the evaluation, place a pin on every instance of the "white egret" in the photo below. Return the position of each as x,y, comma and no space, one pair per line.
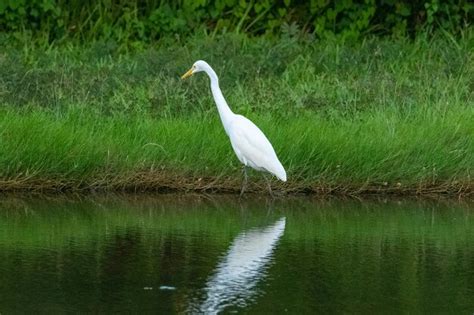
249,143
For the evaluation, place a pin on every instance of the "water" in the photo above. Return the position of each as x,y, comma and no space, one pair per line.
182,254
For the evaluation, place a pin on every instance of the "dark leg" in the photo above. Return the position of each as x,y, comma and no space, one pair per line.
268,184
244,181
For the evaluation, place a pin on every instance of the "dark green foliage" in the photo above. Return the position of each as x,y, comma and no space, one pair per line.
149,20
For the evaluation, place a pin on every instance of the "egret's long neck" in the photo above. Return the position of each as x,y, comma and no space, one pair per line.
224,111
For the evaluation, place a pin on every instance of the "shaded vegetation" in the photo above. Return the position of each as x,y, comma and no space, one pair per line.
134,22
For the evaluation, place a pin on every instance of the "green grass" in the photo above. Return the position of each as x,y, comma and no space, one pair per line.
379,116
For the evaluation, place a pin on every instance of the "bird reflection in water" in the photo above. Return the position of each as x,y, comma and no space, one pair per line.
239,271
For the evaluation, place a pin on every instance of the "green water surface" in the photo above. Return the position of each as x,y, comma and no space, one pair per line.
183,254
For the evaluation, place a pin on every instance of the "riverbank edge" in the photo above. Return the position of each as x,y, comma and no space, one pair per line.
169,183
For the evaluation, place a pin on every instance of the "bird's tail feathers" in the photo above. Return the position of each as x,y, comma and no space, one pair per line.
279,172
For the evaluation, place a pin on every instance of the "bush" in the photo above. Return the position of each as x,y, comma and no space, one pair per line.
149,20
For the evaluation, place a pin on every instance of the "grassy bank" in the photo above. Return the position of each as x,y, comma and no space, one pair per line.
378,116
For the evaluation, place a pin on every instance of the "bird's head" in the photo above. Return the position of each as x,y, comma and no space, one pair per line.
198,66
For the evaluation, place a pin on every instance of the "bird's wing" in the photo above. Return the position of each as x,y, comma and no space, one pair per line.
254,146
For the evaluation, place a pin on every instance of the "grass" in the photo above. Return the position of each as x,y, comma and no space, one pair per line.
379,116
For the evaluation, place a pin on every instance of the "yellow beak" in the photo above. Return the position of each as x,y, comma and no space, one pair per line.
187,74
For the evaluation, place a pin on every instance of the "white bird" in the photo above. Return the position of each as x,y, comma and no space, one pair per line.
249,143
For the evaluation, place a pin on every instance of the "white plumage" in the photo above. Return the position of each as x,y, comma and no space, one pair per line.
249,143
253,148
